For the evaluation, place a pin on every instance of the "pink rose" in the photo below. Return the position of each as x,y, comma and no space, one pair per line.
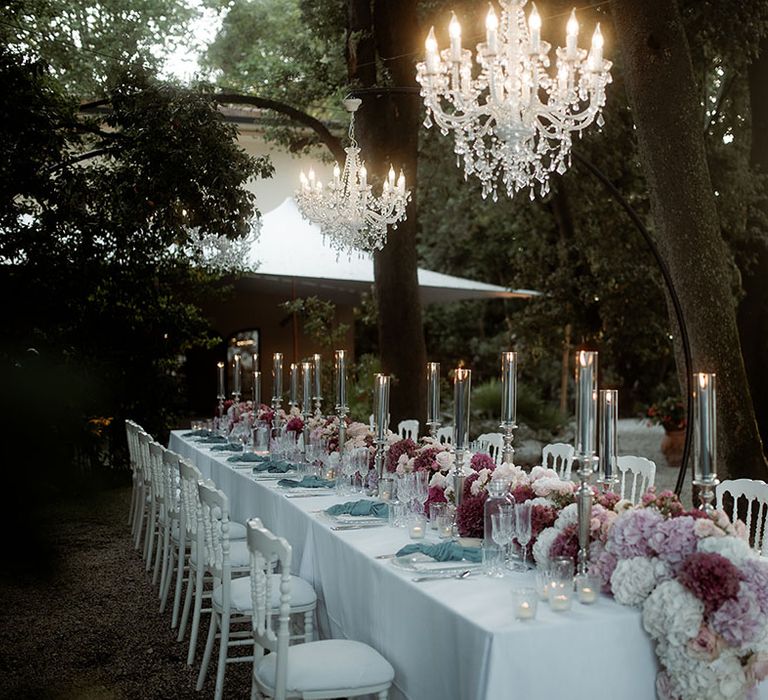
704,527
706,645
757,667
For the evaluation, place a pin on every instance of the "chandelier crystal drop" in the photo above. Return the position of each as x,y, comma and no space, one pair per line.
347,211
513,121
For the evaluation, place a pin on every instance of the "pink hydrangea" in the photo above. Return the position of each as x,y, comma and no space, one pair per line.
631,531
541,517
436,494
425,460
711,578
566,543
739,619
602,562
401,447
523,493
674,540
481,460
294,425
607,499
470,516
755,574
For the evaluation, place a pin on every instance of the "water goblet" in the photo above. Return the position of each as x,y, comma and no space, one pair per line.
501,533
523,527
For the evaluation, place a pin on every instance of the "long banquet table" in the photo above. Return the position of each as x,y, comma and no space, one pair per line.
448,638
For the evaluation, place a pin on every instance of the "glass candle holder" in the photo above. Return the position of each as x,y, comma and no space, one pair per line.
587,588
417,527
445,525
561,595
524,602
386,489
435,510
543,583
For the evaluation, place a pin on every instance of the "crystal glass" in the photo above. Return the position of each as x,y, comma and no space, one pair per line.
397,515
261,437
420,488
406,489
524,603
561,568
493,555
502,530
445,524
523,527
435,510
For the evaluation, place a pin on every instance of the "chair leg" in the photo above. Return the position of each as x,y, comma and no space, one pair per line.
187,605
208,650
166,578
133,502
165,556
140,509
150,537
309,626
223,649
180,562
196,616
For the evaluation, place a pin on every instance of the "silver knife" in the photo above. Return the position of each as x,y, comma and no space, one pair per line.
357,526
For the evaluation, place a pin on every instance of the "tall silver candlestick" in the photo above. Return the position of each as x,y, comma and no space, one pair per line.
306,403
462,387
433,397
508,402
237,379
277,390
608,449
340,370
586,424
294,387
705,438
381,416
220,390
316,359
256,390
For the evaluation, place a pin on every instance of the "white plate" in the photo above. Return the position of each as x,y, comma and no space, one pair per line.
419,562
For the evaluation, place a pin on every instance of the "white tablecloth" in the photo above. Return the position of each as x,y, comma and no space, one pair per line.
446,639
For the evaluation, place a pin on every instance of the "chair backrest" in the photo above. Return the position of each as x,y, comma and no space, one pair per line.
171,485
408,429
639,472
156,467
144,465
267,552
215,522
754,493
493,444
445,435
132,436
191,509
561,455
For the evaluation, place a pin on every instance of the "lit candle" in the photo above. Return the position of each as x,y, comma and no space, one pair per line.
256,389
341,378
607,454
705,426
336,174
586,402
492,32
294,390
462,382
401,183
417,529
587,595
363,177
587,588
236,374
559,602
525,611
306,385
433,392
318,376
509,388
277,376
220,367
391,177
596,55
433,58
381,404
534,25
454,31
304,182
571,35
311,177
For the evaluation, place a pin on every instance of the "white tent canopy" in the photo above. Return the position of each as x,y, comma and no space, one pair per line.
291,250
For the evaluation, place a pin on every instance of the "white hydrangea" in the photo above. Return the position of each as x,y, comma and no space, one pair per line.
633,579
543,544
672,613
541,501
734,549
568,516
696,679
547,485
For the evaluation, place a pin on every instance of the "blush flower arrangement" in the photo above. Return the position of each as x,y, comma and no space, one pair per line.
669,413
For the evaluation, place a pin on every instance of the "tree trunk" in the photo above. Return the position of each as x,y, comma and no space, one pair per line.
753,253
667,113
388,128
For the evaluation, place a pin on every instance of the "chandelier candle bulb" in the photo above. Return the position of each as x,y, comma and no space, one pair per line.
433,59
534,26
492,32
454,31
609,410
236,375
306,385
277,376
336,174
462,384
571,36
220,367
294,390
586,403
509,388
363,177
256,389
596,55
341,378
433,392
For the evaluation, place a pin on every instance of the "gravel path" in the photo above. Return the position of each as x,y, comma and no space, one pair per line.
82,620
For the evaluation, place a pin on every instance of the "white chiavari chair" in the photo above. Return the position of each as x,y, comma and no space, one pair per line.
638,474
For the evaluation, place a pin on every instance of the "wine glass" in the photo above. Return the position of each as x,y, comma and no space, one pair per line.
523,526
405,489
421,487
502,530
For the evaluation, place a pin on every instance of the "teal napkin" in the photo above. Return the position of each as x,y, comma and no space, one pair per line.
362,507
228,447
198,433
277,466
213,439
247,457
445,551
308,482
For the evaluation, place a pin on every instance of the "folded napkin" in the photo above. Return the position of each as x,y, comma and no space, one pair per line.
202,432
213,439
247,457
445,551
277,466
228,447
308,482
362,507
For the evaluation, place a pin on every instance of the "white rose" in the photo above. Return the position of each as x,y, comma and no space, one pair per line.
445,461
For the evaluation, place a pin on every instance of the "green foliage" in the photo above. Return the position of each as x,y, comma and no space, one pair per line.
319,321
532,411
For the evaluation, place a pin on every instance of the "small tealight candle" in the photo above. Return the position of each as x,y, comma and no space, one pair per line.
559,602
445,530
525,603
386,487
417,530
587,588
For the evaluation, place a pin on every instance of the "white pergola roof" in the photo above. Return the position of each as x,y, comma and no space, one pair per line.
291,249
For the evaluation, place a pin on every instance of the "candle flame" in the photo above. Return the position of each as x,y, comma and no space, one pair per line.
454,28
597,38
534,19
431,43
220,365
491,20
572,28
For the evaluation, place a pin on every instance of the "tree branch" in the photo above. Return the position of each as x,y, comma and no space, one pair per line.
297,115
95,153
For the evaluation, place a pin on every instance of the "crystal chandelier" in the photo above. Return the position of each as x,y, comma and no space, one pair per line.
513,121
346,210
